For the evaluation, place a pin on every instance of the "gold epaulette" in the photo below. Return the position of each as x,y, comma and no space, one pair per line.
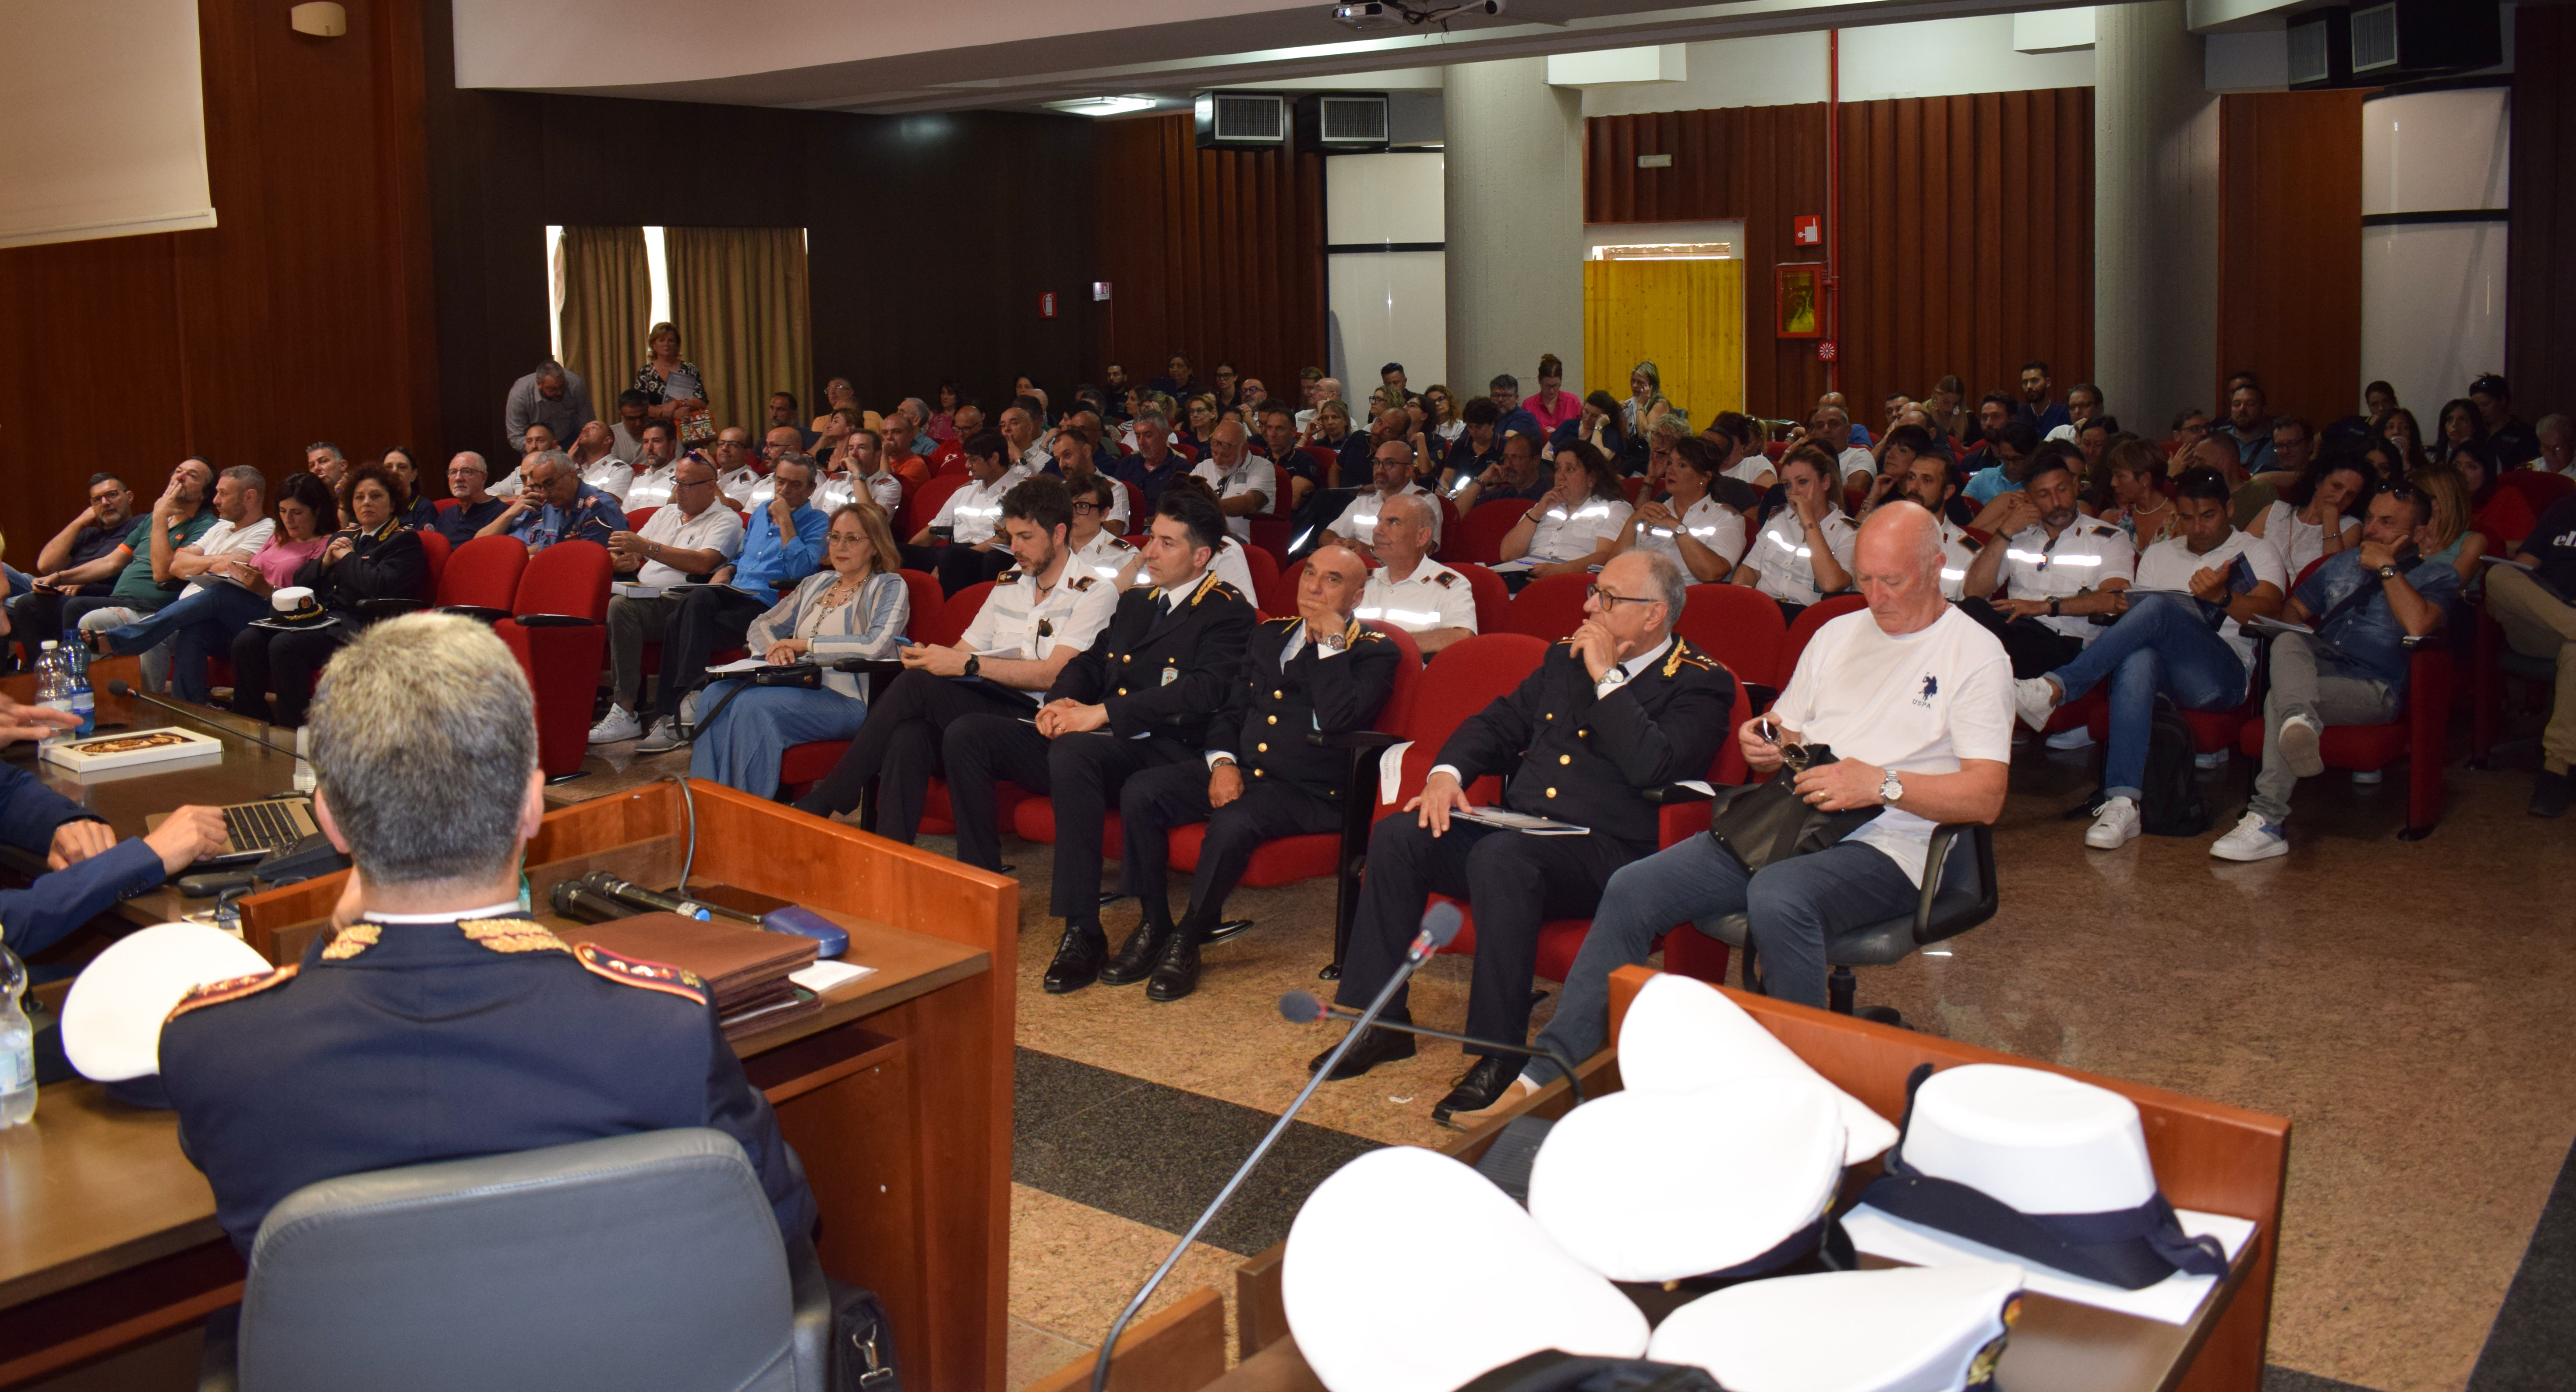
639,973
232,989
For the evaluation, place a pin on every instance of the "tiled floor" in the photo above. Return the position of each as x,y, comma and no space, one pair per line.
2401,1002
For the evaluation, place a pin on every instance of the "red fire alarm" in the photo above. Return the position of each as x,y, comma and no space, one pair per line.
1827,350
1046,304
1807,229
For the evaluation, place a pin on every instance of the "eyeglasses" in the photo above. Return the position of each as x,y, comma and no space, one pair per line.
846,538
1612,601
1086,507
693,483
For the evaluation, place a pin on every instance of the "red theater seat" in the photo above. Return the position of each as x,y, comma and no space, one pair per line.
1548,608
558,632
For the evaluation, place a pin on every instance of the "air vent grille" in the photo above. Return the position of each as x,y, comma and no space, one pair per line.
1251,118
1355,120
2308,57
2374,38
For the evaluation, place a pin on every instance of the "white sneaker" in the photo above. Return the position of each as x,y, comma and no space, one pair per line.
2253,839
689,710
2036,697
2299,746
2216,758
2077,738
665,737
2116,827
2368,778
619,724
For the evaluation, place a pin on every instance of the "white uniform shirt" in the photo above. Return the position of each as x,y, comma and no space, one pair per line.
1571,536
975,511
716,528
649,487
1106,556
1073,613
2170,564
1230,567
1957,554
612,476
225,539
1919,703
1433,596
1253,475
1034,460
1359,520
1780,554
746,485
1711,523
2081,558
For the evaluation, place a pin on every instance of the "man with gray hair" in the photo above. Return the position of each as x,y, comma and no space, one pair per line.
553,504
242,527
1623,706
551,395
1915,700
440,1021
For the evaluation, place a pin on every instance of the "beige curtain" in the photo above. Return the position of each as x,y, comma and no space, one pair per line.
607,292
739,297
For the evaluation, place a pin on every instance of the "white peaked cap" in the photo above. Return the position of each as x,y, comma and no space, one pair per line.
2036,1141
289,599
1409,1272
1907,1329
112,1018
1759,1159
1683,1035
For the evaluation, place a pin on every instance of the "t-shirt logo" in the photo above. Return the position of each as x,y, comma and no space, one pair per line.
1931,686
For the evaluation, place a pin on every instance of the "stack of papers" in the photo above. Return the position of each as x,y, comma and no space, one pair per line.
1521,822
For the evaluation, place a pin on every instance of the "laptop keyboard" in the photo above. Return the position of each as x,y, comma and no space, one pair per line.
260,826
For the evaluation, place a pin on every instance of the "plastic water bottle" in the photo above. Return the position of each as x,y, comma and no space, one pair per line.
17,1045
76,688
51,689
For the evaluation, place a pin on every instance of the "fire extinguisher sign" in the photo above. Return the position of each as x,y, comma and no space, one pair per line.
1046,305
1827,350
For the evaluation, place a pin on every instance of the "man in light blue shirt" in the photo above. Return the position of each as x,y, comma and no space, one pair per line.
553,505
782,544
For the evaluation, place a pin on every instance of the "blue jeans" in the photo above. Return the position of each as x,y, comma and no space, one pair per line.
2161,645
199,626
741,746
1793,905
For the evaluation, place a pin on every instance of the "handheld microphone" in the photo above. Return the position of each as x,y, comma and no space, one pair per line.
1302,1008
625,892
573,899
1439,926
125,690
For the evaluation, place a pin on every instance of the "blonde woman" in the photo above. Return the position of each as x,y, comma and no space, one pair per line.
2453,539
672,385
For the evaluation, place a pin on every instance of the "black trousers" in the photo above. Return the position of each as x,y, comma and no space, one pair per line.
286,662
1157,800
1082,773
2035,649
898,747
708,617
1514,882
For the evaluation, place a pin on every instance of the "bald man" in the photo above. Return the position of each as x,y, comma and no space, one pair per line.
1916,702
1321,671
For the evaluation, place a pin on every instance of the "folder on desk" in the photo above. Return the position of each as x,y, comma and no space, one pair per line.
745,969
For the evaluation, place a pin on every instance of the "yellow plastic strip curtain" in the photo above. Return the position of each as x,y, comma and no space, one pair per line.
738,299
607,292
1686,317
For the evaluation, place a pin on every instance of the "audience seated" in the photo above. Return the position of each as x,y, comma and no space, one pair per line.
1804,552
593,453
2556,436
1741,456
1701,536
2164,644
1831,427
1023,428
1474,453
626,433
375,558
1245,484
2139,504
1320,670
419,514
1515,473
856,606
739,469
1985,445
96,533
682,542
1154,464
2513,443
2001,464
781,545
1620,707
2312,518
1574,527
555,505
2501,513
231,590
1391,474
970,521
1231,563
1409,589
1923,478
139,566
856,472
1097,546
2248,428
2351,668
651,486
2057,567
2039,409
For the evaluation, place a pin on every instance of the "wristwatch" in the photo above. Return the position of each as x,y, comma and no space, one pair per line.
1891,789
974,664
2054,612
2387,573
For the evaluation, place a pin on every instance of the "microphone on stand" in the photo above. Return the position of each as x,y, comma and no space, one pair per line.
1439,927
125,690
1302,1008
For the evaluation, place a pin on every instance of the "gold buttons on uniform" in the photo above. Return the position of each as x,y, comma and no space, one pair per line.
1551,715
1565,758
1278,695
1261,749
1551,792
1126,657
1122,691
1256,773
1274,720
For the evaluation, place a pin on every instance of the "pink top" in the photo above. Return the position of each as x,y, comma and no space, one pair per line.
278,561
1568,406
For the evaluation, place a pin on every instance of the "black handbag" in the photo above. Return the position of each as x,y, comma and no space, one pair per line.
1760,823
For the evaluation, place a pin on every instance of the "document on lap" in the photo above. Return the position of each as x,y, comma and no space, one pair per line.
1522,822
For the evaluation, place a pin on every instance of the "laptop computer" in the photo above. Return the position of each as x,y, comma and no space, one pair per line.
254,829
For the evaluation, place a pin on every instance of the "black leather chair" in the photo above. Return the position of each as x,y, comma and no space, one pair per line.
635,1263
1958,894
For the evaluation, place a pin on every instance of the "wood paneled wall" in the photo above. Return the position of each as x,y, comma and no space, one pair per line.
1215,253
304,314
2540,355
2289,251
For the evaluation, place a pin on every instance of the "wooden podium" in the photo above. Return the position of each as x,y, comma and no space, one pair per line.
897,1096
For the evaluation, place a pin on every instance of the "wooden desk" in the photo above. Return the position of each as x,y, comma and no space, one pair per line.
897,1096
2213,1158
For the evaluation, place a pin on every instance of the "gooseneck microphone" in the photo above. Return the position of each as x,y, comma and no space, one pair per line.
125,690
1302,1008
1439,926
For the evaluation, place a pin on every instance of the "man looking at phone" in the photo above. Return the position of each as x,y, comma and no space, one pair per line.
1913,699
2179,633
2360,606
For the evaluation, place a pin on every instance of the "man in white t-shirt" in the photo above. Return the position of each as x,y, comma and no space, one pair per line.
1831,427
1390,475
1915,700
1244,483
684,540
241,528
2164,642
2057,566
1409,589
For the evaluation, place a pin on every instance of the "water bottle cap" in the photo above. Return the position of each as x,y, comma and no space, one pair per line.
48,645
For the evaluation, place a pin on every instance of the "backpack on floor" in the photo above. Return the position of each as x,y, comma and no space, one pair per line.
2171,804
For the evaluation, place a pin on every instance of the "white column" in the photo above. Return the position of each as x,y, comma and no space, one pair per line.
1514,222
2155,216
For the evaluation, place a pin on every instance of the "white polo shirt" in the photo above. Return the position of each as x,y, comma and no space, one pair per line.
1780,554
1856,460
1711,523
1073,612
1570,536
975,511
2170,564
1253,475
225,539
1359,520
2079,559
1433,596
716,528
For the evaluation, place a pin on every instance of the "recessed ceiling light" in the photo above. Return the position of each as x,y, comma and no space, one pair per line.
1102,106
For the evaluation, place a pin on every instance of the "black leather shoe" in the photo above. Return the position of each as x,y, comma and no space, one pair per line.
1480,1088
1376,1047
2549,794
1136,956
1177,974
1077,959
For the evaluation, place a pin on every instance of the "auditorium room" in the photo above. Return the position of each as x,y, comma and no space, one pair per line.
856,697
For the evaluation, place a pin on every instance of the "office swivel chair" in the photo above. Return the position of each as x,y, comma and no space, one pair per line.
638,1263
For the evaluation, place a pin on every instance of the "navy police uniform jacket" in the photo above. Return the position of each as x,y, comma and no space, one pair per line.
1586,759
1163,671
1272,709
37,917
403,1043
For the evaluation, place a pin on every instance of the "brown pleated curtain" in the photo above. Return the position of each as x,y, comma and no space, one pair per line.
607,293
738,297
